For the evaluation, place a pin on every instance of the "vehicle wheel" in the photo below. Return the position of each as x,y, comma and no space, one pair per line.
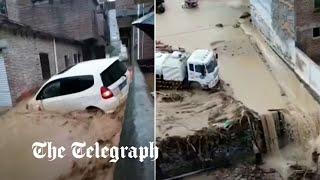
195,85
161,9
94,110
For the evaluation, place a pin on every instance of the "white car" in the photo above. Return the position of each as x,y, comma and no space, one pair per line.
91,85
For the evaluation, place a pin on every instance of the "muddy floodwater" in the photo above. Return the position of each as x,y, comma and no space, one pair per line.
239,62
20,128
257,76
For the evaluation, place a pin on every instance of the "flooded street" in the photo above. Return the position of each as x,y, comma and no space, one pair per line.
256,75
20,128
239,62
130,125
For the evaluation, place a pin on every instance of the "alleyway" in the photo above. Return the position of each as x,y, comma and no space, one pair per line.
137,129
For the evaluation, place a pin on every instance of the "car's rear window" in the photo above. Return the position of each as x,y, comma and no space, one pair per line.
65,86
113,73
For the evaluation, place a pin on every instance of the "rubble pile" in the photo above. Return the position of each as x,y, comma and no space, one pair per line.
161,47
241,172
202,130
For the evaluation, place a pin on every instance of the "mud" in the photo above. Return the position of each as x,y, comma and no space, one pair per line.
20,128
181,113
239,62
200,129
257,76
239,172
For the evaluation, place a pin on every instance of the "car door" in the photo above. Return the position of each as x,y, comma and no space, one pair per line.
76,92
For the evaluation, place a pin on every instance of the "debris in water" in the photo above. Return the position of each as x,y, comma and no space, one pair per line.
219,25
236,25
245,15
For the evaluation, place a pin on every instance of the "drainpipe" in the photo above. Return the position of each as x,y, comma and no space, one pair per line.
55,55
142,41
138,34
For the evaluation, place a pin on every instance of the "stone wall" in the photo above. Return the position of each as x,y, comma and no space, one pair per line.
22,60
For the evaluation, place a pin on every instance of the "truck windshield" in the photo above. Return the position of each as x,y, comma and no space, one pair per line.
211,66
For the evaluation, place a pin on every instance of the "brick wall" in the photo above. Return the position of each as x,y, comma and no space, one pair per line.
307,18
75,19
22,60
146,47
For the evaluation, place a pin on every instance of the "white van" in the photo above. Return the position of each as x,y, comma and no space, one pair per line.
91,85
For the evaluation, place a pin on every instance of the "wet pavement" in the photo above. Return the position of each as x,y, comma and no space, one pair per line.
138,129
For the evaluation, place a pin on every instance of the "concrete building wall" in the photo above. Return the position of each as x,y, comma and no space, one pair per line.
307,18
21,56
275,19
12,11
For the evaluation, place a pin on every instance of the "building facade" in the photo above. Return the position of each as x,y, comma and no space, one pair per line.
41,38
292,29
139,44
307,15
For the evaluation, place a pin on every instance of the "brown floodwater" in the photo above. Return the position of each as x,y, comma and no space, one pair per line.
259,85
20,128
239,62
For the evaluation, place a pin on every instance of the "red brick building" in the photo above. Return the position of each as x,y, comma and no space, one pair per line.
307,15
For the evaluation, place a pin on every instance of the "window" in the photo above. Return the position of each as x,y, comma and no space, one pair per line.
316,32
75,58
113,73
66,61
65,86
79,57
45,65
39,2
316,4
50,90
211,66
76,84
191,67
199,68
3,7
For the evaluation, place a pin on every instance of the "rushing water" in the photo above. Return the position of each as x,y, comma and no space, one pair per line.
258,86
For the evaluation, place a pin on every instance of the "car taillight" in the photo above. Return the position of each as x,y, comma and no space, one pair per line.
106,93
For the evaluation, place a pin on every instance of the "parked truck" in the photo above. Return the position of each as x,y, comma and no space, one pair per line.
178,69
